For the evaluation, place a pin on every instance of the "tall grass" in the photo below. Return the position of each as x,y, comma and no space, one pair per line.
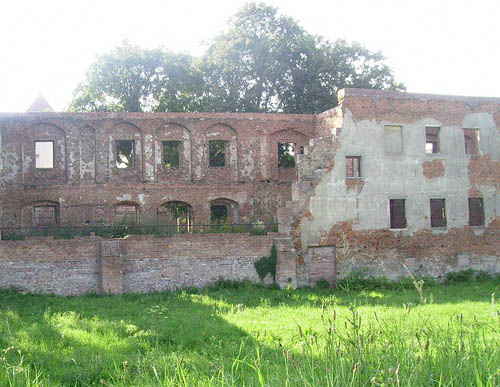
253,336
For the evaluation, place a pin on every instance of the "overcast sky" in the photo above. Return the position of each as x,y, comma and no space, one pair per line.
433,46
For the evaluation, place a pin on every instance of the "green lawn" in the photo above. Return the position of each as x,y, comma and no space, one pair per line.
254,336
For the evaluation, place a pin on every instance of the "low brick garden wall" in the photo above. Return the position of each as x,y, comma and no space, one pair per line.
133,264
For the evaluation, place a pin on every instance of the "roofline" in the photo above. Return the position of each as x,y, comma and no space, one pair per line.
353,92
165,115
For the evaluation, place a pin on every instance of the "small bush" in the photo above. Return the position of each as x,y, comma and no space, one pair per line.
230,284
360,280
274,286
468,275
322,284
267,265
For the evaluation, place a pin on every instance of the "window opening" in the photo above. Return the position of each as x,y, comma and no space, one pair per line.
432,140
44,154
397,213
171,154
438,213
126,214
176,213
286,155
393,139
471,140
45,216
125,153
353,166
218,213
217,153
476,212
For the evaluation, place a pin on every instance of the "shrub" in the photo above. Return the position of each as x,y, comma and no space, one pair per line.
323,284
468,275
267,265
360,280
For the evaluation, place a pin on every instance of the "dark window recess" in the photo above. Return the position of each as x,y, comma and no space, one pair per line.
438,213
126,214
476,212
471,139
353,166
217,153
45,216
171,154
432,140
398,213
218,213
301,150
286,155
125,153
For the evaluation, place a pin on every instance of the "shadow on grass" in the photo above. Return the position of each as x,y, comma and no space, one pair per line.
126,340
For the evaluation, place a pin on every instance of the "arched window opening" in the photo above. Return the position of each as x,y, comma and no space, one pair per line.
223,211
46,214
178,214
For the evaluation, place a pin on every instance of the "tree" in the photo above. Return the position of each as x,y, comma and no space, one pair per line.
134,79
268,63
265,62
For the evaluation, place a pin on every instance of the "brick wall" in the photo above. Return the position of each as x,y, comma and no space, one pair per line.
134,264
45,265
85,182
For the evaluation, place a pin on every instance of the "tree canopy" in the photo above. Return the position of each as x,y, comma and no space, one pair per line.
265,62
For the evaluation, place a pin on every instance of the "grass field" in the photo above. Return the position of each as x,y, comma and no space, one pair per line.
253,336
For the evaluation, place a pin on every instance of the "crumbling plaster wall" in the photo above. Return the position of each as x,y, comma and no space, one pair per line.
333,210
386,176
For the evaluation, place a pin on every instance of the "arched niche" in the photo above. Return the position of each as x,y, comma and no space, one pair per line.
284,146
44,155
41,213
223,211
221,153
172,152
126,212
177,215
87,152
126,152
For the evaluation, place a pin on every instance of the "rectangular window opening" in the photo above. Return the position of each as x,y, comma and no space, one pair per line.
397,213
476,212
286,155
432,139
438,213
471,140
353,166
44,154
217,153
125,153
393,139
171,154
45,216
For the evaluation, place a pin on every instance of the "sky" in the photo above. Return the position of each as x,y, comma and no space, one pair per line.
433,46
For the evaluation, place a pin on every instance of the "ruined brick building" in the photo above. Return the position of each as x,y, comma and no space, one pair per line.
384,181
